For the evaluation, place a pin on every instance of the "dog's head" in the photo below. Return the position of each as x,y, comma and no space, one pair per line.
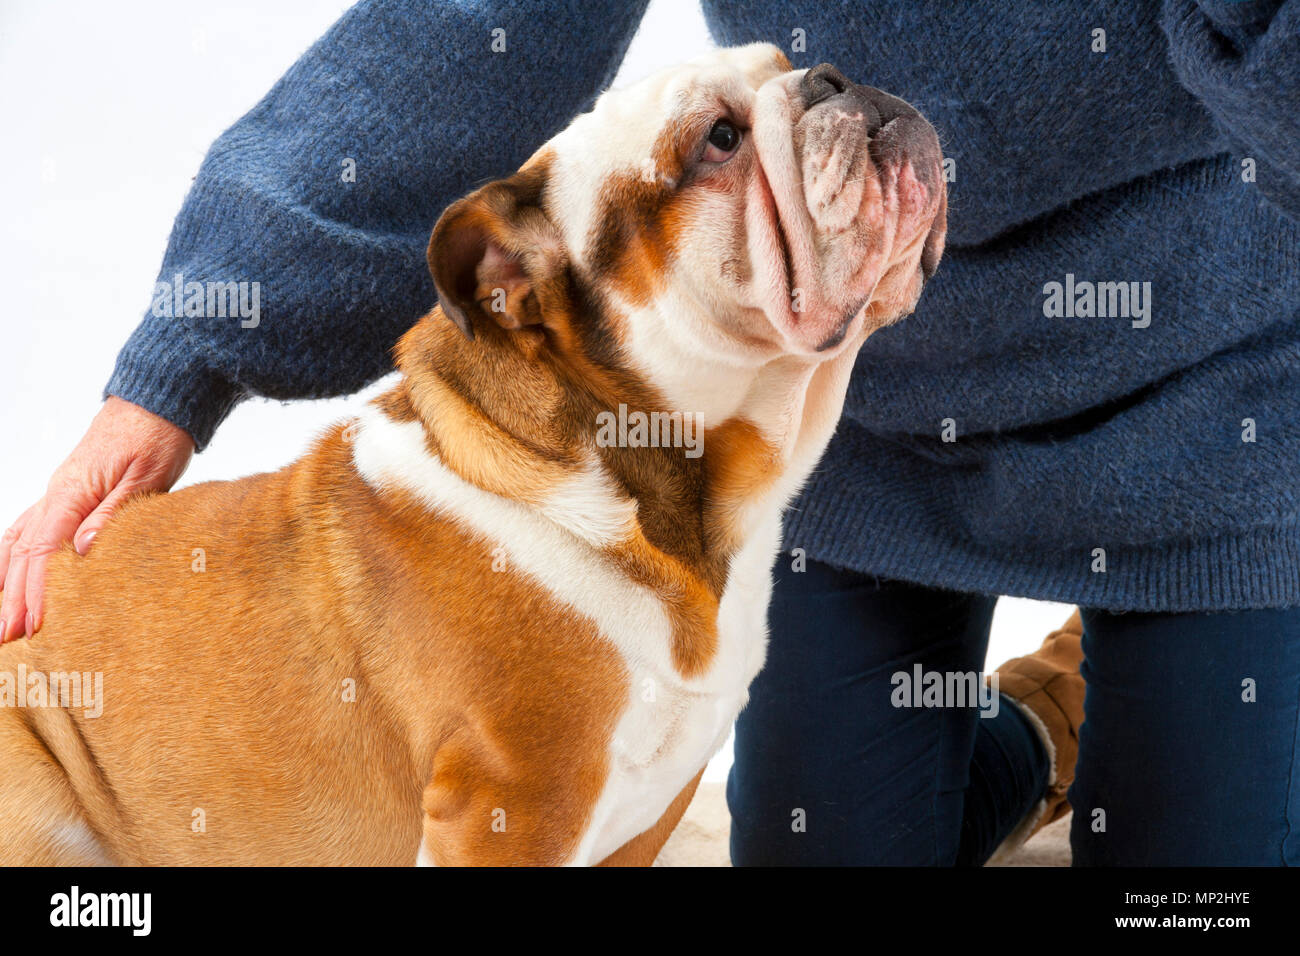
732,208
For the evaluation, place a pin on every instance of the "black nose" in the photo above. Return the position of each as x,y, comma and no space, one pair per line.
821,83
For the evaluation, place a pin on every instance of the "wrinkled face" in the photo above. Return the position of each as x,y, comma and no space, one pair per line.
721,214
782,210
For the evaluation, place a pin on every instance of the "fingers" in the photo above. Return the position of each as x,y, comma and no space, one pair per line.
60,524
13,609
46,529
13,606
10,538
99,517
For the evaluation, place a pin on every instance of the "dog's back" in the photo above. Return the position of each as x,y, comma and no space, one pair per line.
164,707
274,670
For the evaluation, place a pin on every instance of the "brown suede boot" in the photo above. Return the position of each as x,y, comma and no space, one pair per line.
1049,689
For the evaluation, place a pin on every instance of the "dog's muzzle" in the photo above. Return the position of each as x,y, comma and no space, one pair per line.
897,134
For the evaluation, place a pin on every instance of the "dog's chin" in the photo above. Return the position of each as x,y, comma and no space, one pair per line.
828,316
824,332
834,311
877,296
830,329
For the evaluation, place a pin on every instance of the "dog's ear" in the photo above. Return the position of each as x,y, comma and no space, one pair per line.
491,252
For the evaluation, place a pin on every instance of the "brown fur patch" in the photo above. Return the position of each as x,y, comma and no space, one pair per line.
516,414
634,242
742,466
465,680
635,236
396,403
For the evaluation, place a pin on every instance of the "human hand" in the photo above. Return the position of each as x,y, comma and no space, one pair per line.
125,450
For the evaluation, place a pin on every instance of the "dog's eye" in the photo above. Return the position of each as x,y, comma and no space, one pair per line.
723,140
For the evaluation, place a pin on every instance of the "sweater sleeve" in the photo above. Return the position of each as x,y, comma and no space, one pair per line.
1241,59
297,258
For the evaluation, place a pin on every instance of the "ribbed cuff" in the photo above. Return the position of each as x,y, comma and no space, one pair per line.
163,372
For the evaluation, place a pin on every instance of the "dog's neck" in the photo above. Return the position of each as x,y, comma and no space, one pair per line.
517,413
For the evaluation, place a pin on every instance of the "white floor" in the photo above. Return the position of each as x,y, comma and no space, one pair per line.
107,110
701,839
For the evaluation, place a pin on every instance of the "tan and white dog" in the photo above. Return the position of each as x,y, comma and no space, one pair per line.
464,629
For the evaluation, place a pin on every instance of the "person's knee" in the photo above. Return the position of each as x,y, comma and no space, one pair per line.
827,769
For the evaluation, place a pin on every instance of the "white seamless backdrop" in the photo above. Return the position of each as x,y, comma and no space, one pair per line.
107,111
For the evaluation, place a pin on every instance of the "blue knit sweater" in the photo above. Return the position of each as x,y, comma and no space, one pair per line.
1029,431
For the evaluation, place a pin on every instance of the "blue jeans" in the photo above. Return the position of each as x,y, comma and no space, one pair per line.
1188,755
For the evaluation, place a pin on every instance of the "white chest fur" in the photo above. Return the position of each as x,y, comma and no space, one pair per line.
671,726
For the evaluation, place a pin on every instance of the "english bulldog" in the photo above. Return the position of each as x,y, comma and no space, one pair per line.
507,614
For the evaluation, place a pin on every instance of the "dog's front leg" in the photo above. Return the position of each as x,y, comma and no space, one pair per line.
643,849
489,805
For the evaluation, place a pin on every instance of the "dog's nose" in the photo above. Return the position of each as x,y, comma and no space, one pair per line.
821,83
878,108
886,107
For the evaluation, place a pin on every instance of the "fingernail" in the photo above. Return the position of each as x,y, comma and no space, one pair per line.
84,543
31,624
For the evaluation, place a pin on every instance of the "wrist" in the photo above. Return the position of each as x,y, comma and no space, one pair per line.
161,373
